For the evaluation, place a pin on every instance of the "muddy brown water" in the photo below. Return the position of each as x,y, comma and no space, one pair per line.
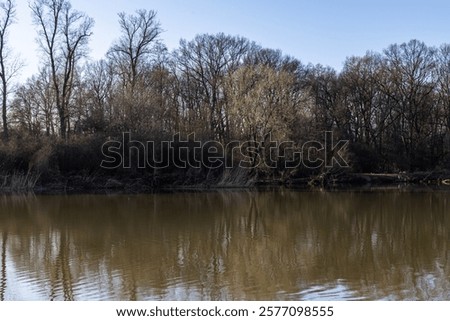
227,245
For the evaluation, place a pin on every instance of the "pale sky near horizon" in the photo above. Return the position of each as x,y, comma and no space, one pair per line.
315,31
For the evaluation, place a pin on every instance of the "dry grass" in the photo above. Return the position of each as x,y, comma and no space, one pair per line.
18,182
236,177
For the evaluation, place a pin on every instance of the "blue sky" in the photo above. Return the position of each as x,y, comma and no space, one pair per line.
316,31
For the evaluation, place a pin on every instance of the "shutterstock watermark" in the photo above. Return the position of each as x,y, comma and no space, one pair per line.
189,152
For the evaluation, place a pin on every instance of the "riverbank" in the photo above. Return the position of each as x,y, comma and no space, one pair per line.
147,183
435,178
51,167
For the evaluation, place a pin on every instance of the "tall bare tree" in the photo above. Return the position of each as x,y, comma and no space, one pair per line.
140,32
131,56
8,65
411,74
203,63
63,37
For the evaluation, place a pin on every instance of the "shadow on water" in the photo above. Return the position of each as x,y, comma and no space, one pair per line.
272,245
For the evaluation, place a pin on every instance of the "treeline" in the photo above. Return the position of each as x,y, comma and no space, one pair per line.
393,107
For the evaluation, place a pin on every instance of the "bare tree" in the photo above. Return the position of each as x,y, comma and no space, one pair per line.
63,37
131,57
411,74
99,79
324,87
8,67
443,57
139,35
33,106
203,63
262,102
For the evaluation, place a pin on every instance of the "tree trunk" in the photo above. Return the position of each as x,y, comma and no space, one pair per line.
62,124
4,116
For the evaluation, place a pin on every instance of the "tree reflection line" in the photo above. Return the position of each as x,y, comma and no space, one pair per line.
3,277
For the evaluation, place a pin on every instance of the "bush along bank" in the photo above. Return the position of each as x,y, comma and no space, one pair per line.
76,166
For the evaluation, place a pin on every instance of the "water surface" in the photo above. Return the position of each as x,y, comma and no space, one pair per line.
229,245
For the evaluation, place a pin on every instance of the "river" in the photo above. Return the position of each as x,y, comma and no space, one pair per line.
227,245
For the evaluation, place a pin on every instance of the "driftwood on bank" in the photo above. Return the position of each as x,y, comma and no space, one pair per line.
361,179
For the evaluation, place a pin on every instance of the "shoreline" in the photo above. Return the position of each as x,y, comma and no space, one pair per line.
76,184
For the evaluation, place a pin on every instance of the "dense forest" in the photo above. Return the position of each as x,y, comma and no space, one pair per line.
393,107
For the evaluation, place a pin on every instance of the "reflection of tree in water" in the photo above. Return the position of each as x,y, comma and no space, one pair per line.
3,276
232,245
62,274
